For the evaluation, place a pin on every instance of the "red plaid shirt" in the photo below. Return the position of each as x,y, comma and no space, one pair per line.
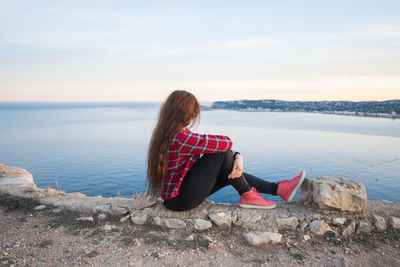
184,150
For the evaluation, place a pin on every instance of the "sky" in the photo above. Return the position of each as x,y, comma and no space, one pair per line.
89,51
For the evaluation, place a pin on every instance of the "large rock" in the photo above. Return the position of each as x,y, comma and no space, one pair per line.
335,193
258,238
15,176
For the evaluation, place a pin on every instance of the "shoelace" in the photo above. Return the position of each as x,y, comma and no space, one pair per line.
258,195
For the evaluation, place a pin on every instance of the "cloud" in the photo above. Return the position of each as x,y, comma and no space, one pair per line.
258,41
377,32
306,85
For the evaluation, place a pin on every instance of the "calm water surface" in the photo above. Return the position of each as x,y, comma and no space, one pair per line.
100,149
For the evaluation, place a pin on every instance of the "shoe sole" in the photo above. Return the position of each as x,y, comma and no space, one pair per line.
247,206
296,189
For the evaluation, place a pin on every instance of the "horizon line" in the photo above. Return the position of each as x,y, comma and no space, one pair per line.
160,101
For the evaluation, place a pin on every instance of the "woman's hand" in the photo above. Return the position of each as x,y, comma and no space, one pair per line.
237,167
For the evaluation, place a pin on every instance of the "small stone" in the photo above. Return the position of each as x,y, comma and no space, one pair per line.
118,210
303,225
109,227
87,219
101,208
253,219
221,219
319,227
350,229
139,219
143,203
339,221
124,219
158,221
379,222
201,225
257,238
174,223
137,243
102,216
394,222
190,237
40,207
290,223
364,227
234,218
306,237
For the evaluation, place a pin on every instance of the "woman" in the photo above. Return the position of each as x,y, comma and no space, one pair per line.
184,168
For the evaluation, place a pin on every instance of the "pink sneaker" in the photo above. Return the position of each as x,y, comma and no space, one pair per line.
253,200
287,189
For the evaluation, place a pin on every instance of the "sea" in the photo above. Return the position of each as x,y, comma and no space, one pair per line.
101,148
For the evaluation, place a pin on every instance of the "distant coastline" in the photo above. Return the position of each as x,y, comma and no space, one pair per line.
377,109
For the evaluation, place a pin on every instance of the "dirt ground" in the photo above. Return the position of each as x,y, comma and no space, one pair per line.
53,237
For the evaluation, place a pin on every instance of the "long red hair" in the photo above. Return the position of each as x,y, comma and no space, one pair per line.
181,109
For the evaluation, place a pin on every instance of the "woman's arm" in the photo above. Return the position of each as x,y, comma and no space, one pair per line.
194,143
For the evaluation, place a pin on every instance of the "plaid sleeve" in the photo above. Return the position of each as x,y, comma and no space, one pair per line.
193,143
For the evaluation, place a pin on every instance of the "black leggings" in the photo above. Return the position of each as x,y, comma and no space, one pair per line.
208,175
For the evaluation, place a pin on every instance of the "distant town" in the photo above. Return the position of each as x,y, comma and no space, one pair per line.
381,109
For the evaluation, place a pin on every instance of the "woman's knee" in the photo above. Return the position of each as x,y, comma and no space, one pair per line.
226,156
221,155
